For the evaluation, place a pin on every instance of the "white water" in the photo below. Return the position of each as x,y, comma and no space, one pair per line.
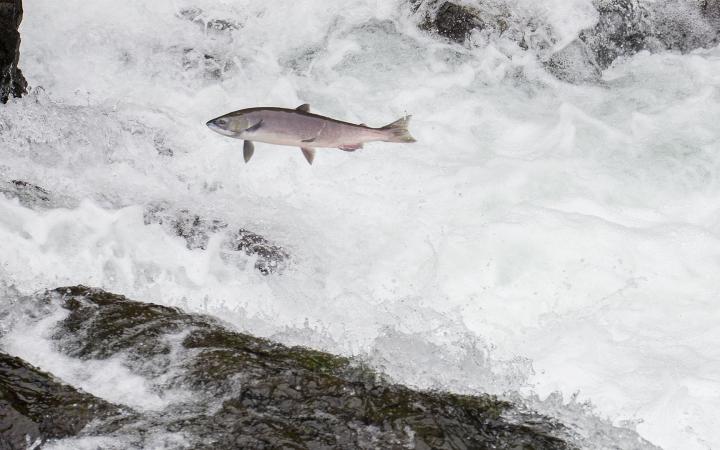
539,237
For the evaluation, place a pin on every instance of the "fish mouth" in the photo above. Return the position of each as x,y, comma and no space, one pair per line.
213,125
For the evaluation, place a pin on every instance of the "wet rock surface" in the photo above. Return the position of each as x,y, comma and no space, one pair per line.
246,392
35,407
213,62
624,28
29,195
453,21
457,21
208,23
239,245
711,9
33,196
12,82
197,231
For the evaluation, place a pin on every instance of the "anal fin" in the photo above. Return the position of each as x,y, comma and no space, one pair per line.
350,147
309,154
248,150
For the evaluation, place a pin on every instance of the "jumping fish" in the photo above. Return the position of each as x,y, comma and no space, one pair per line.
301,128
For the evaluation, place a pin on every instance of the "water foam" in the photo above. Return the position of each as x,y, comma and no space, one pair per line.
539,237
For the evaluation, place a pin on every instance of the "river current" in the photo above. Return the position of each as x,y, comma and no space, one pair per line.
543,240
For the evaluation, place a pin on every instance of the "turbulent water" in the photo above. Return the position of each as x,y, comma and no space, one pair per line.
554,243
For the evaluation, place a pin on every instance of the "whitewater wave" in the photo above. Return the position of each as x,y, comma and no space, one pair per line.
541,237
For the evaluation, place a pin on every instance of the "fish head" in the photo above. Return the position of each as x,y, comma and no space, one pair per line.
231,125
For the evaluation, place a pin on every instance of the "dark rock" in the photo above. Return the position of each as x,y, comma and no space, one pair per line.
685,26
456,22
197,231
626,27
711,9
623,29
252,393
28,194
453,21
270,257
12,82
32,196
35,407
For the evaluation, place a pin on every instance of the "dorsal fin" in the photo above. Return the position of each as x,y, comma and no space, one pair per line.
304,108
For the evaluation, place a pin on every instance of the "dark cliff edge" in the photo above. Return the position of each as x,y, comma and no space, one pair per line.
243,391
12,82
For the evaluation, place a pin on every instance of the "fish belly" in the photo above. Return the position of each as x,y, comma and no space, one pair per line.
289,128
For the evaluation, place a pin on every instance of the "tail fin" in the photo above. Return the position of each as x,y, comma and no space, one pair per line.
397,131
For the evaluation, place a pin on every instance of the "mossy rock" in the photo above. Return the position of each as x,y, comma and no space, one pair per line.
35,407
248,392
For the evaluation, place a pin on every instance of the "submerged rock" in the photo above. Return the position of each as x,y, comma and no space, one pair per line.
198,16
238,245
624,28
35,407
196,231
270,257
684,26
29,195
212,61
457,21
246,392
12,82
453,21
711,9
34,197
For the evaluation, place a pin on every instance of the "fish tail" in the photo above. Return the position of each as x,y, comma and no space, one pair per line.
398,131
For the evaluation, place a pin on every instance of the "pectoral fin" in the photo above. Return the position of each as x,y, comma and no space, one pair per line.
254,127
304,108
248,150
309,154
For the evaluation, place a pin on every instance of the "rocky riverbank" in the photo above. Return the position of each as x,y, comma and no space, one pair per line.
239,391
623,28
12,82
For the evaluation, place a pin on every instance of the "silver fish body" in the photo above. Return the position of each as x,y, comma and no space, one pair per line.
301,128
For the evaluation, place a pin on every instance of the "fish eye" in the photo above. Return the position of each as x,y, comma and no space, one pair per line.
221,121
